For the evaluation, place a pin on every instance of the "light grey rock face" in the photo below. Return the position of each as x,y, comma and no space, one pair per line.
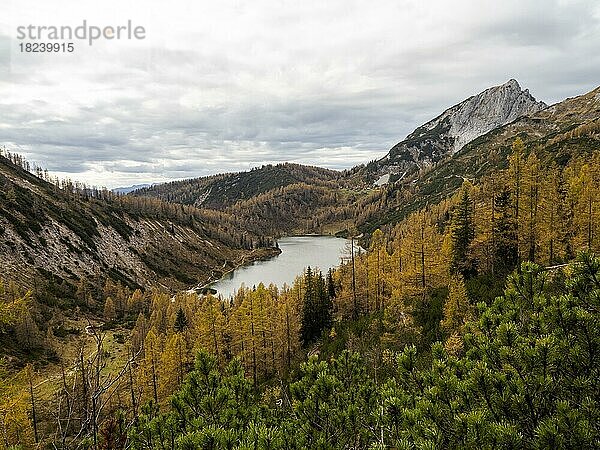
492,108
459,125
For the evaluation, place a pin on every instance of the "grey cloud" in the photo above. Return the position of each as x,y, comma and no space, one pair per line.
337,88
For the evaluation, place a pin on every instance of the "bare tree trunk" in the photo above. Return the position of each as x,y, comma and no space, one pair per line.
132,392
84,413
289,338
355,306
33,409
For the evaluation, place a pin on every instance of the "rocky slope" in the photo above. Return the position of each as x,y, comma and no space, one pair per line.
48,235
565,130
450,131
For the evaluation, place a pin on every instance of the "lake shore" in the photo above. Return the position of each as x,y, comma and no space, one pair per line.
258,254
320,252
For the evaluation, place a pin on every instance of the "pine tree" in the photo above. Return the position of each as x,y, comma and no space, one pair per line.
505,241
331,291
324,305
316,307
462,231
309,308
211,410
181,321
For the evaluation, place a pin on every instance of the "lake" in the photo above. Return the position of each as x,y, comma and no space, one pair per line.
297,253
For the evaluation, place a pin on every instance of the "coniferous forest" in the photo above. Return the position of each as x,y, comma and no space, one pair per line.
464,312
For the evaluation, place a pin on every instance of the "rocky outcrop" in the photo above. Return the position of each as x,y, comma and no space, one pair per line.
456,127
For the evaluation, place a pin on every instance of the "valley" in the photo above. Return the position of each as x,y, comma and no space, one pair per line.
476,295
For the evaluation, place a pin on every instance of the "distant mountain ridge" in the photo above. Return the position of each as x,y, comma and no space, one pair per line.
467,141
454,128
275,200
128,189
224,190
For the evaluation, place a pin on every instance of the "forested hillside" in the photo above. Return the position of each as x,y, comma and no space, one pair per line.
63,245
272,200
57,231
225,190
527,378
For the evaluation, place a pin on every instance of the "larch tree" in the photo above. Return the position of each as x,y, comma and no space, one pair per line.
424,264
110,312
551,211
149,372
173,364
287,330
210,327
399,327
16,430
585,187
378,253
457,312
515,171
530,206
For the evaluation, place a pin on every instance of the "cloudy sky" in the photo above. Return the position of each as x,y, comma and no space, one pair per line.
228,85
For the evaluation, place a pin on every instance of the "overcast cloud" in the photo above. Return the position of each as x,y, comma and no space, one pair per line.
228,85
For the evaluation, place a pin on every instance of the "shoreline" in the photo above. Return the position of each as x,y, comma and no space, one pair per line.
258,254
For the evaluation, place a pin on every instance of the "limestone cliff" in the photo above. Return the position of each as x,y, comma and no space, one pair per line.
456,127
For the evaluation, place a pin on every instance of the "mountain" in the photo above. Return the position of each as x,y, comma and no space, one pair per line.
224,190
128,189
453,129
559,133
467,141
412,294
273,199
59,235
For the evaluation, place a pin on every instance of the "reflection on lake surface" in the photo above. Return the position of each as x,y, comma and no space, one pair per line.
297,253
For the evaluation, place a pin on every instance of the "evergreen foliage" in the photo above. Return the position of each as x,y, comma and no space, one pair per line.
181,321
316,307
462,232
529,378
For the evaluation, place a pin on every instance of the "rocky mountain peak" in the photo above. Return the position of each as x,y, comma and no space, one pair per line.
457,126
